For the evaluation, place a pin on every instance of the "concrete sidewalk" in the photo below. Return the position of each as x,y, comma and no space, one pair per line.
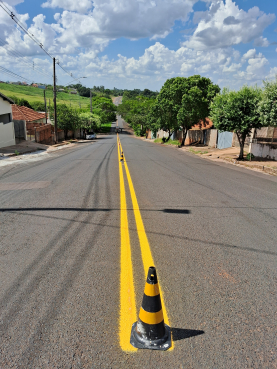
26,147
231,155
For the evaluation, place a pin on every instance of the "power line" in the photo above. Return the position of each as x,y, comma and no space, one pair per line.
15,75
17,54
17,21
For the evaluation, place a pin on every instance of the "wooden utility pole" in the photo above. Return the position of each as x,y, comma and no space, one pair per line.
54,100
45,104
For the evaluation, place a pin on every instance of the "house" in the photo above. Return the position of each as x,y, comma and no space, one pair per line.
32,118
73,91
34,85
7,135
203,133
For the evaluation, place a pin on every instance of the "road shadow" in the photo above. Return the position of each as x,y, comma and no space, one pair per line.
177,211
54,209
181,334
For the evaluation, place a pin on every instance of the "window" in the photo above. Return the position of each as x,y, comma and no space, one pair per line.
5,118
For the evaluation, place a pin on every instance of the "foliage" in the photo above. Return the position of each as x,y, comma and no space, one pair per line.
67,118
250,156
89,121
268,104
132,94
104,108
38,106
237,111
169,142
135,112
34,94
21,102
183,102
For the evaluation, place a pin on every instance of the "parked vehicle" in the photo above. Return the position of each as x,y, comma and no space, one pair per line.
90,136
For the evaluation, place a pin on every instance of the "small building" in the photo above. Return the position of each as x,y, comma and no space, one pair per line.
73,91
7,136
34,85
31,117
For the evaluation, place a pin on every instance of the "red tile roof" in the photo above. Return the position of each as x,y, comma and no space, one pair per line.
203,125
24,113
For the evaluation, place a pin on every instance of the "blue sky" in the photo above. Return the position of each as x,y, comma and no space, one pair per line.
141,43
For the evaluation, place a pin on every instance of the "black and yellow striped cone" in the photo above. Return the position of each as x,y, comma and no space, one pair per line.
122,157
150,332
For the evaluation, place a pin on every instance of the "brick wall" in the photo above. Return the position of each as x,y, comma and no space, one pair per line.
32,125
43,134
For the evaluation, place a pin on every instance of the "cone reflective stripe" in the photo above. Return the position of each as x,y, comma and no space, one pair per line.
150,331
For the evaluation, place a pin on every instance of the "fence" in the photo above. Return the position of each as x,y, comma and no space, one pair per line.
43,134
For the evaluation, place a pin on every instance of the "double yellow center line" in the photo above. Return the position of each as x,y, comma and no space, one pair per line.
128,309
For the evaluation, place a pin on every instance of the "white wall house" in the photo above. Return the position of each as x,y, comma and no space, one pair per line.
7,136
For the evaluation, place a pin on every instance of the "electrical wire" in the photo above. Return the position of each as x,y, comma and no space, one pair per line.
15,75
16,20
18,55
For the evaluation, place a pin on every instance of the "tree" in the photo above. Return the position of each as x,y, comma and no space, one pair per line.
67,118
89,121
104,108
182,102
135,112
193,109
268,104
237,111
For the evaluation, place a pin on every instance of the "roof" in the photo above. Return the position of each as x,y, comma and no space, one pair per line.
24,113
4,97
203,125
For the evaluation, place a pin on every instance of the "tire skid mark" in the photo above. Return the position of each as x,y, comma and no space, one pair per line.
41,273
63,167
30,354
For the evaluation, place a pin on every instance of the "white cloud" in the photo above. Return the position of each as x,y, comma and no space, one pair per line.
273,73
224,24
81,6
131,19
13,2
260,41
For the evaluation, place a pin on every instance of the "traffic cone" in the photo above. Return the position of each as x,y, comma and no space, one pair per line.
150,332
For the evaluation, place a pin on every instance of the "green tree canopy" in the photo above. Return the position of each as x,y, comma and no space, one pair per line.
104,108
268,104
135,112
183,102
89,121
237,111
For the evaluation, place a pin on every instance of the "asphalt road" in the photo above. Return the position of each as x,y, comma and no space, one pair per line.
212,230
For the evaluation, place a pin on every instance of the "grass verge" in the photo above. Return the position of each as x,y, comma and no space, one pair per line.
32,94
169,142
106,128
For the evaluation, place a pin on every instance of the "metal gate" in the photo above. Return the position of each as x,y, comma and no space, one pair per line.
224,140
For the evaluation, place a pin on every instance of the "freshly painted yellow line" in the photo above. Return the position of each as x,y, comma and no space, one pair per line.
127,290
144,244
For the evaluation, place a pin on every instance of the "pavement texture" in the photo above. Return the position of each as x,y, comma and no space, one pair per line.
230,155
26,147
212,231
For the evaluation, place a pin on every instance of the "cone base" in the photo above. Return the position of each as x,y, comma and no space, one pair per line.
163,343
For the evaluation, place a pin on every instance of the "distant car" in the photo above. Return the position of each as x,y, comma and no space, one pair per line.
90,136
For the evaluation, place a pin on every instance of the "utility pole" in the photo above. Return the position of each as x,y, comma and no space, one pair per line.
54,100
45,104
90,100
